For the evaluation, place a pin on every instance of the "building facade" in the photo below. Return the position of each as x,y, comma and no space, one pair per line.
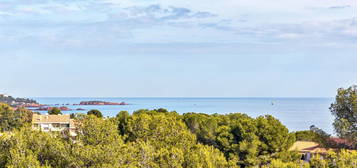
53,123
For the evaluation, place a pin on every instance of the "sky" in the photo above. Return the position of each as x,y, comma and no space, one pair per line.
177,48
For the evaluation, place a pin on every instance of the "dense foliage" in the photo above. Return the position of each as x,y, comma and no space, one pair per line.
345,111
157,138
13,118
95,113
54,111
245,140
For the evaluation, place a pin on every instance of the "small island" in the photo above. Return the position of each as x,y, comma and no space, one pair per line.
101,103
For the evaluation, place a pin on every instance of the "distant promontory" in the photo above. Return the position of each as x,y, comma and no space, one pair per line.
18,102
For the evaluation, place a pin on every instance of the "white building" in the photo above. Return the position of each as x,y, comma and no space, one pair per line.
4,95
48,123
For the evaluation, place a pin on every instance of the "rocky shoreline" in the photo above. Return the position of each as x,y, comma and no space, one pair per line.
101,103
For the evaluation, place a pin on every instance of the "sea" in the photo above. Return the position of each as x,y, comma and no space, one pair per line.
295,113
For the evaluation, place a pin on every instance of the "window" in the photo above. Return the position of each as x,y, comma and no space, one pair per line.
55,125
65,125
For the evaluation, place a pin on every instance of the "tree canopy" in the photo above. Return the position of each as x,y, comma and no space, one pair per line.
345,111
54,111
158,138
13,118
95,112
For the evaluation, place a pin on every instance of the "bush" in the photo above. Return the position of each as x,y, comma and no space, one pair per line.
96,113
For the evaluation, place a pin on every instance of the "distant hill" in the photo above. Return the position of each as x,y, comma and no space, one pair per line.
16,101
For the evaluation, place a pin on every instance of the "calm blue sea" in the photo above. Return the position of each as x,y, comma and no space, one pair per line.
295,113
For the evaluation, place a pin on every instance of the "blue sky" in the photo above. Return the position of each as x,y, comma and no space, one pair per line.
178,48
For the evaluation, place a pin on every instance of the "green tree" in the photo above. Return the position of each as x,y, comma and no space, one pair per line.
94,131
95,112
276,163
11,119
98,143
204,126
28,148
206,156
159,138
237,139
54,111
139,154
345,111
123,118
347,159
343,158
162,110
170,157
7,117
23,116
317,161
306,135
161,129
274,136
25,158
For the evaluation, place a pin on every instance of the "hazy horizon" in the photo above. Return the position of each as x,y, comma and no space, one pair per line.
192,97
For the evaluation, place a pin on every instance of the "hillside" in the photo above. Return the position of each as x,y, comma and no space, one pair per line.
15,101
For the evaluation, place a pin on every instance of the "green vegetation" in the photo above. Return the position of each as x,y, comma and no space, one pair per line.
54,111
342,159
96,113
158,138
243,139
345,111
12,119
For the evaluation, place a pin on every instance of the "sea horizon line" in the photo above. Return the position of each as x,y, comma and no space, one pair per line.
164,97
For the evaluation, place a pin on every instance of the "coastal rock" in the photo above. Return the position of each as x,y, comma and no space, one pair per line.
32,105
63,108
100,103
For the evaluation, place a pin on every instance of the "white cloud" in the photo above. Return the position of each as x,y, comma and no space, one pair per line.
340,7
110,22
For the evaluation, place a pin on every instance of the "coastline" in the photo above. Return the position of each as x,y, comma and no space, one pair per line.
291,111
